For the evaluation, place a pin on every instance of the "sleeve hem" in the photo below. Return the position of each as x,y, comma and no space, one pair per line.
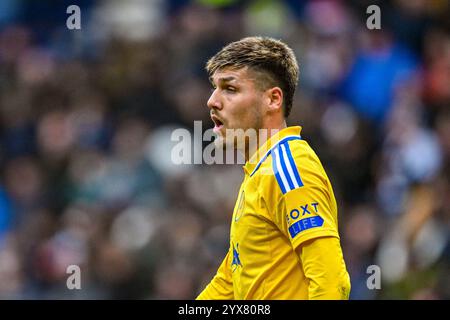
314,234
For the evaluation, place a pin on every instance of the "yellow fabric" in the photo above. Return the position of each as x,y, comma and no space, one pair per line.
326,272
269,224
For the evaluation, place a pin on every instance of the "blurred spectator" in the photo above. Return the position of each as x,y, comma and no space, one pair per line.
381,66
5,215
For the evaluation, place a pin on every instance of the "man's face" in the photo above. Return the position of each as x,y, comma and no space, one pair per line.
235,103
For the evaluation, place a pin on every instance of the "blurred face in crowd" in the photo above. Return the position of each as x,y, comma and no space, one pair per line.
236,102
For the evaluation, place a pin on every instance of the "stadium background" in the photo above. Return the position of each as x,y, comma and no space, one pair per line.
86,117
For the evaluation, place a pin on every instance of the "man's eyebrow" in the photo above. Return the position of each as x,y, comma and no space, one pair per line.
222,79
227,79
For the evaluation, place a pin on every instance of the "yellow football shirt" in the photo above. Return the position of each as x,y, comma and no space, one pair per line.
285,199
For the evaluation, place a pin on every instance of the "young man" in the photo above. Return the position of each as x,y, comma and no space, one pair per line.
284,241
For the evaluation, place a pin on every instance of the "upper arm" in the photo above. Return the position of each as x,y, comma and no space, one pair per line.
305,208
308,215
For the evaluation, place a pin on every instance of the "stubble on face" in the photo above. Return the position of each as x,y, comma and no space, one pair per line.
243,112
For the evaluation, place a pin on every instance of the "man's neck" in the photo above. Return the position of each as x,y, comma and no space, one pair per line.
263,135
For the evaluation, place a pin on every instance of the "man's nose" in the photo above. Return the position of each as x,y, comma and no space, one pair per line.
213,101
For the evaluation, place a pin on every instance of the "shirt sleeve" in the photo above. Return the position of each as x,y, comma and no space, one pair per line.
306,207
307,213
221,286
324,267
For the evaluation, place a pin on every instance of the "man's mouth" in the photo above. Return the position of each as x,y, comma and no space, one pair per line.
218,123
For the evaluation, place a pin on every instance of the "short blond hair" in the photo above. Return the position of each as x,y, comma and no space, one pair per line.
272,60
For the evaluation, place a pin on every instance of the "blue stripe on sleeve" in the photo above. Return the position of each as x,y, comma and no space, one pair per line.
285,170
277,174
293,165
271,151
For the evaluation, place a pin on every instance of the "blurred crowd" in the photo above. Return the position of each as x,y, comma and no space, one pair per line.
86,118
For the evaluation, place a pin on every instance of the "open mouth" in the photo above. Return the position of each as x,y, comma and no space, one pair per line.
218,124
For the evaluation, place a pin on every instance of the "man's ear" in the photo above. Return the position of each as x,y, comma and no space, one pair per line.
275,99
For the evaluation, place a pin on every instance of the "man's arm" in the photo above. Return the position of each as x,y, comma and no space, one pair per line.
221,286
324,267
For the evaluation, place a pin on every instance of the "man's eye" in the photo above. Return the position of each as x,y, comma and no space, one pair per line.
231,89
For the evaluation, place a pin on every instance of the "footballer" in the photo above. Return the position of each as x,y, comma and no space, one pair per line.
284,240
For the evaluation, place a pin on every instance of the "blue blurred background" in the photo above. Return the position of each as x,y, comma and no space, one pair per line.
86,117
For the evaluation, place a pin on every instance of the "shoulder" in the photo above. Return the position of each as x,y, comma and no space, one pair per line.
285,166
290,165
